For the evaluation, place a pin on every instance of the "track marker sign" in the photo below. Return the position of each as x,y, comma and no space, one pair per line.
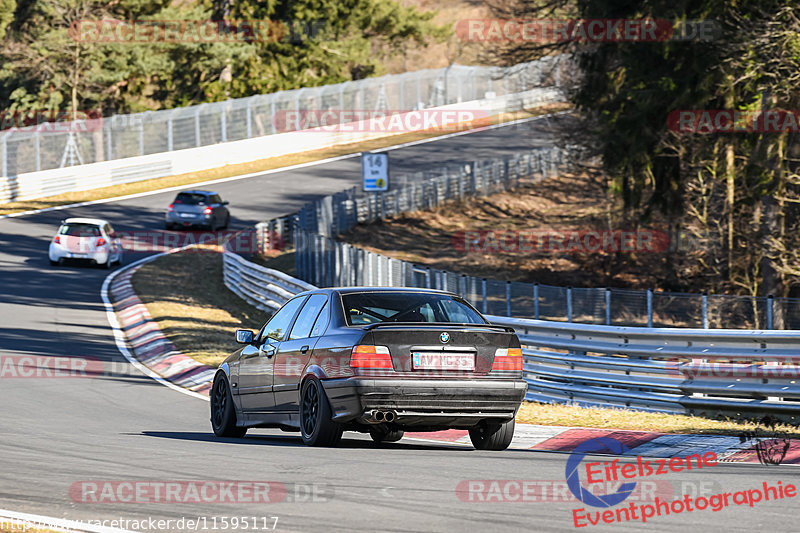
375,172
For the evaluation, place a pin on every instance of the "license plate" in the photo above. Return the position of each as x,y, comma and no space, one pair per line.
443,361
77,256
186,215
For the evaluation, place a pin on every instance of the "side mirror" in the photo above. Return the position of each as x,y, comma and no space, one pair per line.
225,202
244,336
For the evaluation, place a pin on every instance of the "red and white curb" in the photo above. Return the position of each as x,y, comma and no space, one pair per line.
142,342
645,443
149,345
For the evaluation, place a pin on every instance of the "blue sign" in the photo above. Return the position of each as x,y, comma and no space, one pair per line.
375,172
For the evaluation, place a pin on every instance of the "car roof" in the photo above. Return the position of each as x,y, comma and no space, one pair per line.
351,290
193,191
79,220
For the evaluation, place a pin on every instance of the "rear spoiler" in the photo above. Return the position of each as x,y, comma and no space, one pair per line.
377,325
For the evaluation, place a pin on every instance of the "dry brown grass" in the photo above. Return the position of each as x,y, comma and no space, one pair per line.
571,415
563,203
185,294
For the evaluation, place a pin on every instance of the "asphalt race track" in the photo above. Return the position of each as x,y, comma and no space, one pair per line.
58,432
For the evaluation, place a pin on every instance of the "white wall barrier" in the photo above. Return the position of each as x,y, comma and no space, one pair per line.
108,173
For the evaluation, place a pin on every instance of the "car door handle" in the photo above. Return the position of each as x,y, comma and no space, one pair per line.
304,349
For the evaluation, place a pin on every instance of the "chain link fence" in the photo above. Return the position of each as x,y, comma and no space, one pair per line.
41,147
323,261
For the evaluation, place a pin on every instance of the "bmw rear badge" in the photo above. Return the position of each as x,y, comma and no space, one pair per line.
444,337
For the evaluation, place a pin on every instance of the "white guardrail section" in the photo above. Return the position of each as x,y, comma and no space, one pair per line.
736,373
205,156
263,288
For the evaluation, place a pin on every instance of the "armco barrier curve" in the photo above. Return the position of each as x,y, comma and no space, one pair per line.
750,373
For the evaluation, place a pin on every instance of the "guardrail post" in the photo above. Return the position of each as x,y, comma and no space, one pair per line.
38,151
462,289
141,136
536,301
705,310
649,308
197,126
508,298
569,304
428,278
608,307
473,181
483,296
223,124
770,315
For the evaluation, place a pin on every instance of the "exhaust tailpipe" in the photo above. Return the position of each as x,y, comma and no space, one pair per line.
377,415
389,416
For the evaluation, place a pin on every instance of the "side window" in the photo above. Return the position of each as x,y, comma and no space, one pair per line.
305,321
280,321
322,321
215,199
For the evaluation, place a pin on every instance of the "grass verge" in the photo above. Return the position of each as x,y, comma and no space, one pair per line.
246,168
185,295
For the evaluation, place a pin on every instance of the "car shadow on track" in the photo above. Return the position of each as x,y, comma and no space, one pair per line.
293,440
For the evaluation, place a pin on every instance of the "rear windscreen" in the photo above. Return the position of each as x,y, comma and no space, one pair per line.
190,198
373,307
80,230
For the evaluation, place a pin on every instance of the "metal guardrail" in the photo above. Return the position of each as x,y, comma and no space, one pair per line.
261,287
712,373
742,374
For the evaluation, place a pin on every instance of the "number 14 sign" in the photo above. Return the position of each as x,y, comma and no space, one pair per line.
375,172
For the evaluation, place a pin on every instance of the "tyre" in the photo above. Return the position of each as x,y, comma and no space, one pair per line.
169,226
223,413
54,263
492,436
386,436
316,426
227,221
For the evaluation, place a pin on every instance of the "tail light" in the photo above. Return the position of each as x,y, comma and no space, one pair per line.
171,206
207,211
57,240
100,241
508,359
364,356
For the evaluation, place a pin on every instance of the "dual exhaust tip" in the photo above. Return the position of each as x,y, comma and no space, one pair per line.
383,416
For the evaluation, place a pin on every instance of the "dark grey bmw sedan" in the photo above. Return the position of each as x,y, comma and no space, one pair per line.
374,360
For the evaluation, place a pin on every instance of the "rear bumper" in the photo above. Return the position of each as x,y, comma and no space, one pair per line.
193,220
57,252
426,402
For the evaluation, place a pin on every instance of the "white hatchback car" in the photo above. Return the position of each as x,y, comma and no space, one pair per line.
92,239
